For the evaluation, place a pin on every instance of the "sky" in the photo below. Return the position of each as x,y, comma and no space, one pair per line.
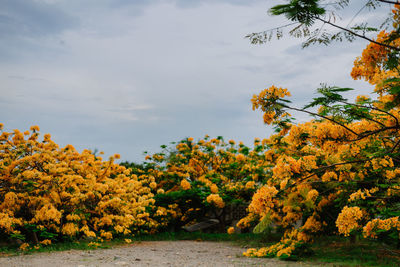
126,76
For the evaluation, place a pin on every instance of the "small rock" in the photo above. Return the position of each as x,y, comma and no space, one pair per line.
121,263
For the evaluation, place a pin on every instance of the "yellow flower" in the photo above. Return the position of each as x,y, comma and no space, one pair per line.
24,246
347,220
153,185
362,98
94,244
185,184
214,188
46,242
250,185
35,128
216,200
106,235
160,191
231,230
240,157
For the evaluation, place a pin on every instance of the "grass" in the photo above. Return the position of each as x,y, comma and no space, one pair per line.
363,253
334,250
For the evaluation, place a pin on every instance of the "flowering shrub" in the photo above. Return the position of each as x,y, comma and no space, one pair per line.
205,177
289,247
51,193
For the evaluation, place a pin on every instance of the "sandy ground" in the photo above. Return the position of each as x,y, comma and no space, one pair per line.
149,253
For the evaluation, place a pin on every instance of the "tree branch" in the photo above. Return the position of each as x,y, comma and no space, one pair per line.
389,2
327,118
369,133
373,108
358,35
364,117
394,147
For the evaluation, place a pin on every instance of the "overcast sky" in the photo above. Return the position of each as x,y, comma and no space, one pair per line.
125,76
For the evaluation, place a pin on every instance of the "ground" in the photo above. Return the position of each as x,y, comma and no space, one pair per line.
149,253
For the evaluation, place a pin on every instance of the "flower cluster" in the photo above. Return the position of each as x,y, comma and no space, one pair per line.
288,247
216,200
376,226
348,220
268,100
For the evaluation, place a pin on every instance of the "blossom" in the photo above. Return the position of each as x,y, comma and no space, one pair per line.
375,226
153,185
45,242
262,202
24,246
160,191
348,219
94,244
216,200
185,184
214,188
250,185
35,128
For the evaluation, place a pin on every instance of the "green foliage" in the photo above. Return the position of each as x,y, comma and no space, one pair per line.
190,203
330,95
303,11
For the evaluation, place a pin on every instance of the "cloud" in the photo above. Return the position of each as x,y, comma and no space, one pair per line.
196,3
24,18
129,76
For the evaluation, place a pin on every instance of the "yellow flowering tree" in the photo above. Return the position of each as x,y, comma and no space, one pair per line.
48,193
338,172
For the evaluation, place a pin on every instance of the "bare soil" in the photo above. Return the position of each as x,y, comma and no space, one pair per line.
149,253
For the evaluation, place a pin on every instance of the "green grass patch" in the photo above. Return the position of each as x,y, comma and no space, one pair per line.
362,253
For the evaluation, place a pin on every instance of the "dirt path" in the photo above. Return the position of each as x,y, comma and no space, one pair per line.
151,253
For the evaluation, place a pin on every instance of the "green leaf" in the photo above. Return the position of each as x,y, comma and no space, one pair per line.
263,225
395,90
344,89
